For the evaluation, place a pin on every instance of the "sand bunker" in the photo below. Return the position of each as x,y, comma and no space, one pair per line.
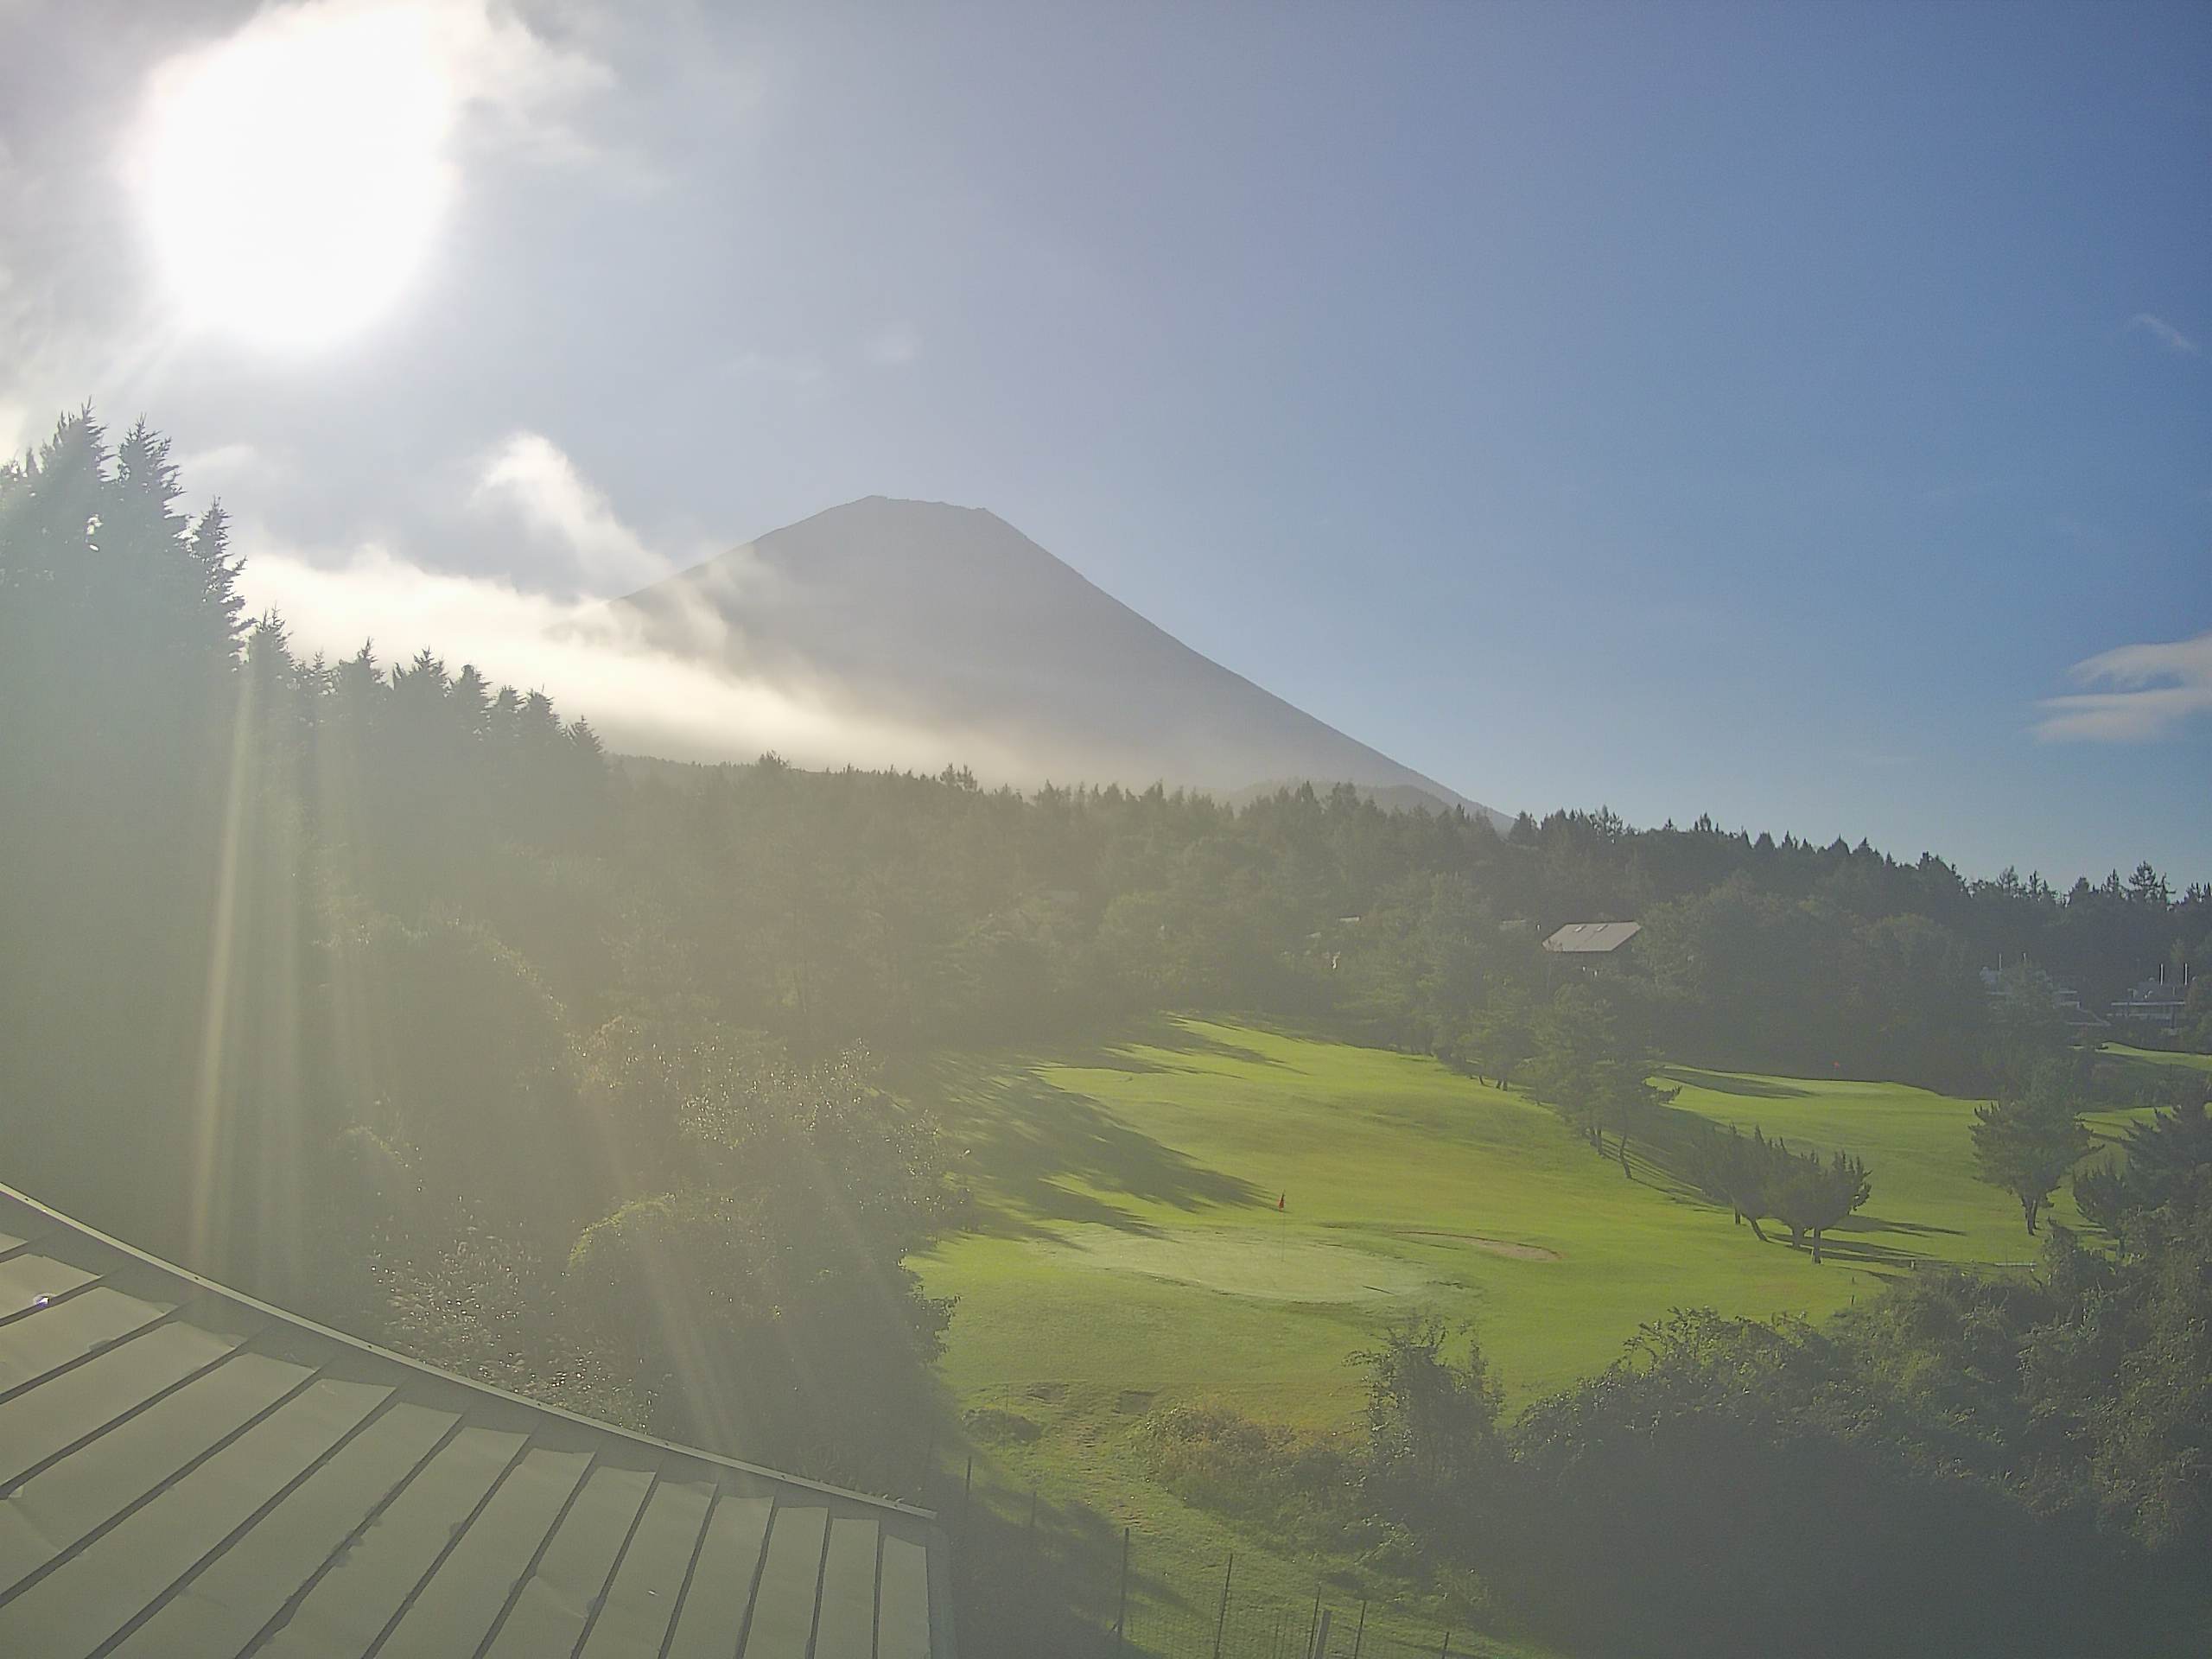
1240,1261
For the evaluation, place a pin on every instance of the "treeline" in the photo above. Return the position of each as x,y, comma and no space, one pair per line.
928,910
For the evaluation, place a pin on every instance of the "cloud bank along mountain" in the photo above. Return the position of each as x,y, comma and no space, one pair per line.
879,633
947,619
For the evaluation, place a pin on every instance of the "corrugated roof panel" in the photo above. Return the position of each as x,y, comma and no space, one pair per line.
721,1591
93,1594
221,1609
470,1589
43,1422
902,1624
67,1500
556,1601
847,1627
53,1337
783,1607
359,1594
641,1602
28,1282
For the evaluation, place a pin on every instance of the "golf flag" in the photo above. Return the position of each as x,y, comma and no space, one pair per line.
1281,1201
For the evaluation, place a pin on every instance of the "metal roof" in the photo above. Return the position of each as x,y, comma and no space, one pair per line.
185,1472
1583,938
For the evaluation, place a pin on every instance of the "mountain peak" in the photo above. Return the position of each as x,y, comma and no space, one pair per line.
985,648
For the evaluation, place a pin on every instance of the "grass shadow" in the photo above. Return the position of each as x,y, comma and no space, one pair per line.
1034,1574
1863,1223
1158,1034
1857,1252
1037,1154
1726,1082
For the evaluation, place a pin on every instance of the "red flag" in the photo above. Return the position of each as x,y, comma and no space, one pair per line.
1280,1202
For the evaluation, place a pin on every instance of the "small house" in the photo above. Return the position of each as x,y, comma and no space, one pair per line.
1594,947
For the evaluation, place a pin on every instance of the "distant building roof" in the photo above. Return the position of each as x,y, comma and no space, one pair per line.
2151,998
187,1471
2065,999
2157,990
1593,938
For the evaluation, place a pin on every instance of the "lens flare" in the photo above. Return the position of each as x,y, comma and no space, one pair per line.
293,176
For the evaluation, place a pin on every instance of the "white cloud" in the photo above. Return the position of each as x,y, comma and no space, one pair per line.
2156,689
603,662
2165,334
529,478
223,467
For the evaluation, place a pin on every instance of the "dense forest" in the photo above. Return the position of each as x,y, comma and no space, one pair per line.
382,990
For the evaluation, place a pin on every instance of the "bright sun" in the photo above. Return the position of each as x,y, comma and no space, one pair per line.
294,175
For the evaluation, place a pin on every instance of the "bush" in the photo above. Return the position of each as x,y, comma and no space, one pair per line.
1432,1423
1286,1481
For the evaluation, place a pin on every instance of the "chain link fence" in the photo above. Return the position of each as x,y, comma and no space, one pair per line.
1033,1581
1213,1618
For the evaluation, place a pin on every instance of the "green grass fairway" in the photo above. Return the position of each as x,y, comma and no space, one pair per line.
1127,1251
2161,1056
1127,1236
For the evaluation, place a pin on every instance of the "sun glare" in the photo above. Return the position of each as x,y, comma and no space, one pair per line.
293,176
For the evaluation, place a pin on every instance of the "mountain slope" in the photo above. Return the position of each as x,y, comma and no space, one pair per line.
948,621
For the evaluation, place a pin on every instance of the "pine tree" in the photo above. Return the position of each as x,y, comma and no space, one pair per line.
1809,1197
2165,1161
2026,1143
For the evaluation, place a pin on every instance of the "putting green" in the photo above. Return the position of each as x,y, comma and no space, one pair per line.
1240,1261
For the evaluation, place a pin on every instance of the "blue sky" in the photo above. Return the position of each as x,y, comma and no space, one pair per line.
1751,410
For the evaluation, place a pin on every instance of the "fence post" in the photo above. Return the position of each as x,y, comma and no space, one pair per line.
1321,1636
1221,1624
1445,1652
1359,1635
1122,1613
967,1488
1314,1624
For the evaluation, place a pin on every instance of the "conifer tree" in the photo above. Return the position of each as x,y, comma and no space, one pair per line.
1809,1196
2025,1144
